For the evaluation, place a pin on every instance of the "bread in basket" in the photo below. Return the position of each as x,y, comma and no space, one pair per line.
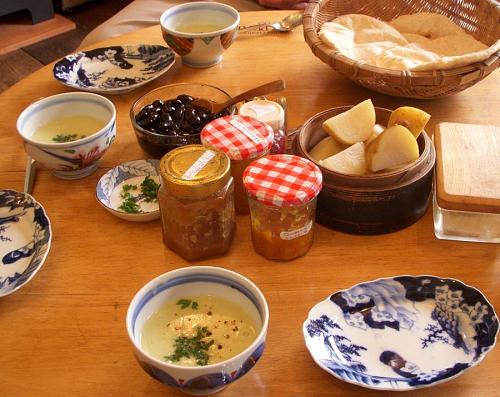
479,18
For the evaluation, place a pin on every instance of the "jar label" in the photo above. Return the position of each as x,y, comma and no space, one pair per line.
198,165
297,232
247,131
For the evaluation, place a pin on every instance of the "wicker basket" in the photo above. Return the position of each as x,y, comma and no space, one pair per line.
480,18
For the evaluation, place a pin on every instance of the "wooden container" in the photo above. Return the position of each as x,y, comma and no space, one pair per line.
479,18
467,187
370,204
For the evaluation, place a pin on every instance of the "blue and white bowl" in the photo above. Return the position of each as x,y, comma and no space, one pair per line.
115,69
25,236
401,333
109,188
68,160
205,280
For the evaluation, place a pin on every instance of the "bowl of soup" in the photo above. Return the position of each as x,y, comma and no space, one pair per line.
68,133
199,328
200,31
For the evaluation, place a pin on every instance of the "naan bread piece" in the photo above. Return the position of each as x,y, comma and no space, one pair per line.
347,31
427,41
427,24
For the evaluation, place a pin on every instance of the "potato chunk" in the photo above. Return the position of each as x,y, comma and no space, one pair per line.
353,126
412,118
350,161
394,147
325,148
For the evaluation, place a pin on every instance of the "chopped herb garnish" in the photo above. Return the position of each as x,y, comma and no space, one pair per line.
61,138
184,303
150,189
192,347
126,188
129,205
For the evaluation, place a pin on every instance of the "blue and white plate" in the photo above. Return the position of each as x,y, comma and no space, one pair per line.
401,333
114,70
110,188
25,236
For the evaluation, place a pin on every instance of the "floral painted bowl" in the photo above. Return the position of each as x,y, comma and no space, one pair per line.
205,280
74,159
25,236
114,70
109,190
401,333
200,31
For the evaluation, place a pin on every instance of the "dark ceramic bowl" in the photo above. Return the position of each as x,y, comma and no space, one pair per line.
370,204
156,145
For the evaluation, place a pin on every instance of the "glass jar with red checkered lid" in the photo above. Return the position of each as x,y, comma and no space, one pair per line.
282,191
243,139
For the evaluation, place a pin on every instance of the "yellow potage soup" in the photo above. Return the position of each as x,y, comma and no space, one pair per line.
68,129
198,330
199,28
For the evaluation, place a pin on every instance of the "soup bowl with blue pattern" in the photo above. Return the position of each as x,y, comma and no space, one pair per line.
68,155
175,286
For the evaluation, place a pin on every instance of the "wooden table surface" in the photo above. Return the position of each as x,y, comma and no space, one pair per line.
63,334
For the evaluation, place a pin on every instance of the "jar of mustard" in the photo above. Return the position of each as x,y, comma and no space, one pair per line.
243,139
282,191
196,199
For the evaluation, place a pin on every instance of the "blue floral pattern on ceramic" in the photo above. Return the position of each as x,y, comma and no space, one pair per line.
25,236
401,333
122,173
114,69
205,384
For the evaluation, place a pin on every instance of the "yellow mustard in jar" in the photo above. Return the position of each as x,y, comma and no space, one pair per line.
243,139
196,202
282,191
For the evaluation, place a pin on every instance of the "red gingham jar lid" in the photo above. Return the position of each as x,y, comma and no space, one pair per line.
240,137
283,180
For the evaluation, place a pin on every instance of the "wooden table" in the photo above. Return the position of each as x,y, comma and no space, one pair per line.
64,334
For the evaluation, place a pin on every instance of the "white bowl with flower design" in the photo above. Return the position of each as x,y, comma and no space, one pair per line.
74,159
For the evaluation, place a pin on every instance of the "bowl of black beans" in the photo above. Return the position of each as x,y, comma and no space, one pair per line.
164,119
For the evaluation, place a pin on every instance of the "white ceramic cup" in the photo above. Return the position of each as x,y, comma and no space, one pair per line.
68,160
199,280
200,31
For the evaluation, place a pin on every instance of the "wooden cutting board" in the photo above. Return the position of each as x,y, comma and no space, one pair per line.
468,167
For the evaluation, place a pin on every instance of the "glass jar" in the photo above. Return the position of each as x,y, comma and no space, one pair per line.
282,192
271,113
243,139
196,201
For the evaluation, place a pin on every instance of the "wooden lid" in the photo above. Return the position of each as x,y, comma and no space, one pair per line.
468,167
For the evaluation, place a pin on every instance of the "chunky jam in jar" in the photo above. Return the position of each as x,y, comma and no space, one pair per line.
196,202
282,191
243,139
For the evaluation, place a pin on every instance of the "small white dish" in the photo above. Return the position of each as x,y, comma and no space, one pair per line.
110,187
114,70
401,333
25,236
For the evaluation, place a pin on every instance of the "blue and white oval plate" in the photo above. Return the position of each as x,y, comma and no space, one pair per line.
401,333
25,236
114,70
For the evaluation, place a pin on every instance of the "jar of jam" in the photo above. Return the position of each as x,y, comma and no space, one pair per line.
282,191
272,114
196,201
243,139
